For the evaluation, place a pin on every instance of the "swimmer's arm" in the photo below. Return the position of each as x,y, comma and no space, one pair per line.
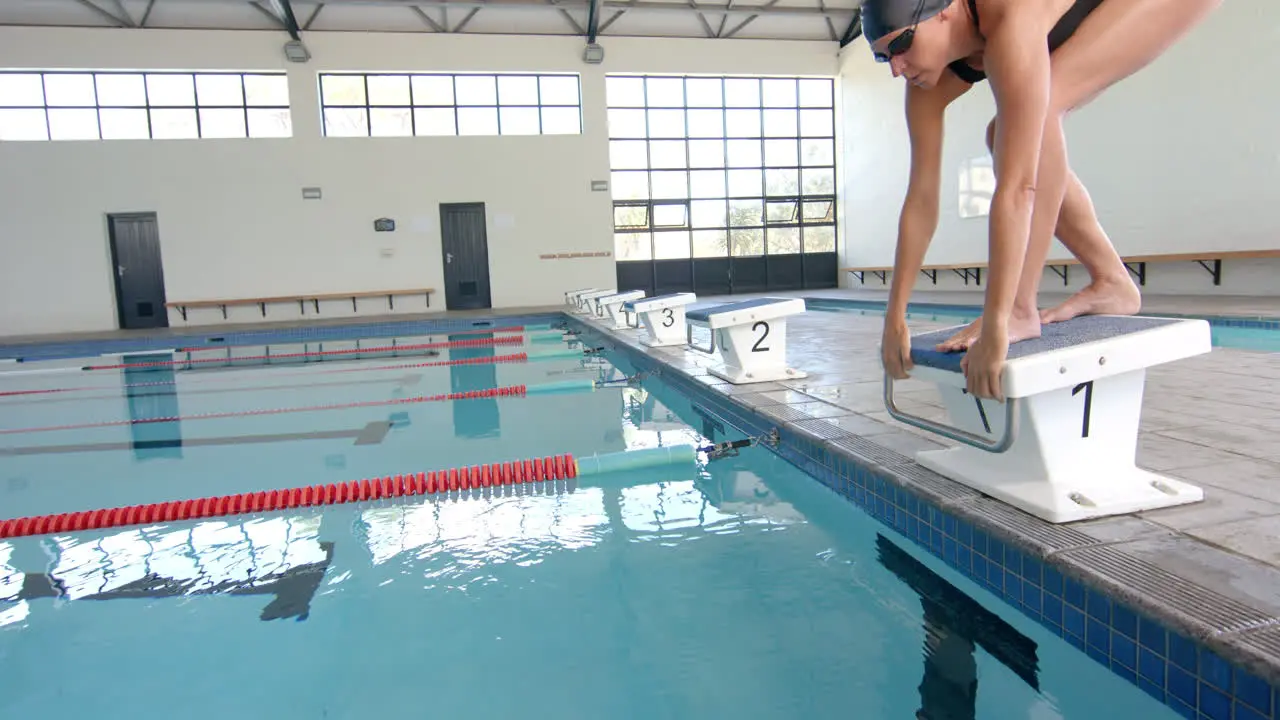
918,220
1017,65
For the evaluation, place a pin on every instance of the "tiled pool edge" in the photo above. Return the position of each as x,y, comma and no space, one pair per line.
1202,654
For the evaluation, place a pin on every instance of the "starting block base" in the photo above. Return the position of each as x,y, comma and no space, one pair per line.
1081,496
751,338
1063,445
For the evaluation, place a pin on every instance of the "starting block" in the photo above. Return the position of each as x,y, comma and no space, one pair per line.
587,299
611,305
571,297
1063,444
751,336
662,317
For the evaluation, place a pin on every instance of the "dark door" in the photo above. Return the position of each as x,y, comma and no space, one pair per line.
135,254
466,256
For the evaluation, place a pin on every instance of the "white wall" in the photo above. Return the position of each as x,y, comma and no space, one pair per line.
1182,157
232,220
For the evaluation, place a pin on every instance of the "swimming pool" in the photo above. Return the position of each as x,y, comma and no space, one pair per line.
1257,335
734,587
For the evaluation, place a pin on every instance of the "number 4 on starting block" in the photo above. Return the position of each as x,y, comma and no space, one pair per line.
751,337
1063,444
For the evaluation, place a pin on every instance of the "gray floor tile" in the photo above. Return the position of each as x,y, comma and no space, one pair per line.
1218,506
1258,538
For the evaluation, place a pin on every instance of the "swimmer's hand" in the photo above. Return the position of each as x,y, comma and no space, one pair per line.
983,364
895,348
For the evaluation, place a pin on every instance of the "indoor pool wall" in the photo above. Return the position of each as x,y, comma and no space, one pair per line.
1090,595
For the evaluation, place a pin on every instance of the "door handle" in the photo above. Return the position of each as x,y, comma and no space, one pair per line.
448,257
120,270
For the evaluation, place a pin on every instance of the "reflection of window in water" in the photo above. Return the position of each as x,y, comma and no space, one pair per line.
977,186
277,556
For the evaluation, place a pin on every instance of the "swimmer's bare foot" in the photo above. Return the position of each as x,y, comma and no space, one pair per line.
1022,326
962,339
1105,296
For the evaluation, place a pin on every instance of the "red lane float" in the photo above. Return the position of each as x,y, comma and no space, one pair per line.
507,391
495,359
475,342
557,467
480,331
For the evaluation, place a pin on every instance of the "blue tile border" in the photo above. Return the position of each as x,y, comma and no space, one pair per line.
1174,667
203,337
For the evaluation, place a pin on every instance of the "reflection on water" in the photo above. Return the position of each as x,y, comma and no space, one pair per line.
278,556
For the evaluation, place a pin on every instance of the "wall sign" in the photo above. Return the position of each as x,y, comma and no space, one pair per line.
384,225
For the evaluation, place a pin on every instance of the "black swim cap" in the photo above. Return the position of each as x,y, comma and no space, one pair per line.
881,17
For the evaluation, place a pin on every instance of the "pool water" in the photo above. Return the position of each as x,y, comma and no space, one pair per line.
1255,339
735,587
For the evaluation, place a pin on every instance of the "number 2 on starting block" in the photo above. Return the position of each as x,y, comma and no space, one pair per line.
750,337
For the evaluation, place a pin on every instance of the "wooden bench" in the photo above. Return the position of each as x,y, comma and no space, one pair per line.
183,306
1137,265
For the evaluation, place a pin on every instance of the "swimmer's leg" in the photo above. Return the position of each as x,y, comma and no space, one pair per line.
1119,38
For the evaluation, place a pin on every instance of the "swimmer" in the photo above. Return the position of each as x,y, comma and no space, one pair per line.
1044,59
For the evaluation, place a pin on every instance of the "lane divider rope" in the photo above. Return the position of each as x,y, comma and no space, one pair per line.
556,467
472,343
507,391
509,358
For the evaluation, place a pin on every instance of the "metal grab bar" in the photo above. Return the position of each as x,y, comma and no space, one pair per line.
1012,417
688,329
627,314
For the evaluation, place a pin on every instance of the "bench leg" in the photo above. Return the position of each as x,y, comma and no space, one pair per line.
1072,458
755,352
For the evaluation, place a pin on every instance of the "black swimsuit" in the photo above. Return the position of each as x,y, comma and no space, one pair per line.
1061,32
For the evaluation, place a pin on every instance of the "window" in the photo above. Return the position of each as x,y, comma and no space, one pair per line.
721,166
65,105
413,104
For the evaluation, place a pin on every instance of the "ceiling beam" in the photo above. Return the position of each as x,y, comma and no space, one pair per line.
316,13
284,9
466,19
593,21
605,25
854,30
750,18
117,21
124,14
428,19
146,14
734,8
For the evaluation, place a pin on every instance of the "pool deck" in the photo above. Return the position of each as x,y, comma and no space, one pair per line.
1210,569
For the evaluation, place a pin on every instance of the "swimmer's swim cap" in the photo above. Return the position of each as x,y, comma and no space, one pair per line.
881,17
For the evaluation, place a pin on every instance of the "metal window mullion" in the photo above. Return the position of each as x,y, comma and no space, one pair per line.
688,179
497,103
413,115
244,100
146,99
537,80
368,109
44,91
724,130
195,107
648,162
457,123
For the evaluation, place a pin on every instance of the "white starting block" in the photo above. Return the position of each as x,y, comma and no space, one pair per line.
611,305
586,300
1063,444
751,336
571,297
662,317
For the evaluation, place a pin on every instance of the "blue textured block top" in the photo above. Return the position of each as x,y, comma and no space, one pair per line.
1054,336
703,314
630,305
